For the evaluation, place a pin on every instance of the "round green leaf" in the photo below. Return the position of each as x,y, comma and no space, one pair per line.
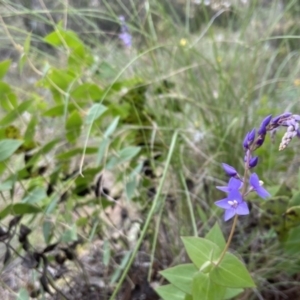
95,112
201,250
181,276
231,272
19,209
169,291
231,293
216,236
8,147
73,126
205,289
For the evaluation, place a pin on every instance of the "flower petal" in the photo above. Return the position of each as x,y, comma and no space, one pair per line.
223,203
262,192
242,209
253,162
234,184
223,188
231,171
235,195
254,181
229,213
263,127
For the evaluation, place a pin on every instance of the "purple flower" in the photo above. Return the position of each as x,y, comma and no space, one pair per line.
263,126
253,162
233,205
282,116
256,185
260,141
230,171
125,36
233,184
296,117
249,138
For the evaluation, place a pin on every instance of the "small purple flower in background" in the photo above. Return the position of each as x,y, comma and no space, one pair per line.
230,171
233,205
256,185
233,184
125,36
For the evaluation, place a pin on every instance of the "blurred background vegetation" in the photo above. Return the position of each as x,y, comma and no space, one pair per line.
100,136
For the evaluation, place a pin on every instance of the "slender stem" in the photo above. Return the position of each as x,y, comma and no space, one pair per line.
149,217
229,240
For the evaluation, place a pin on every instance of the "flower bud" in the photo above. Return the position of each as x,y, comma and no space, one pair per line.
253,162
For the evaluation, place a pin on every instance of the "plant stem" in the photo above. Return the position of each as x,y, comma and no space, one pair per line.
229,240
149,217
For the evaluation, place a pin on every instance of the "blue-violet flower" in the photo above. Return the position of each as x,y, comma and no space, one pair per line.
233,205
256,185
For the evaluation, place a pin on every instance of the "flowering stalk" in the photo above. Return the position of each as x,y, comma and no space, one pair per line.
238,187
124,35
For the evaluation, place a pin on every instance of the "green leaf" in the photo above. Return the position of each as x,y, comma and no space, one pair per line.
26,46
19,209
87,91
295,201
70,235
6,186
123,155
35,196
130,188
181,276
76,151
216,236
44,150
26,49
111,128
101,151
73,126
292,244
231,293
30,130
61,37
94,113
106,70
8,148
17,112
106,253
128,153
51,206
47,230
23,294
4,66
200,250
59,82
205,289
231,272
169,291
292,217
55,111
8,98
